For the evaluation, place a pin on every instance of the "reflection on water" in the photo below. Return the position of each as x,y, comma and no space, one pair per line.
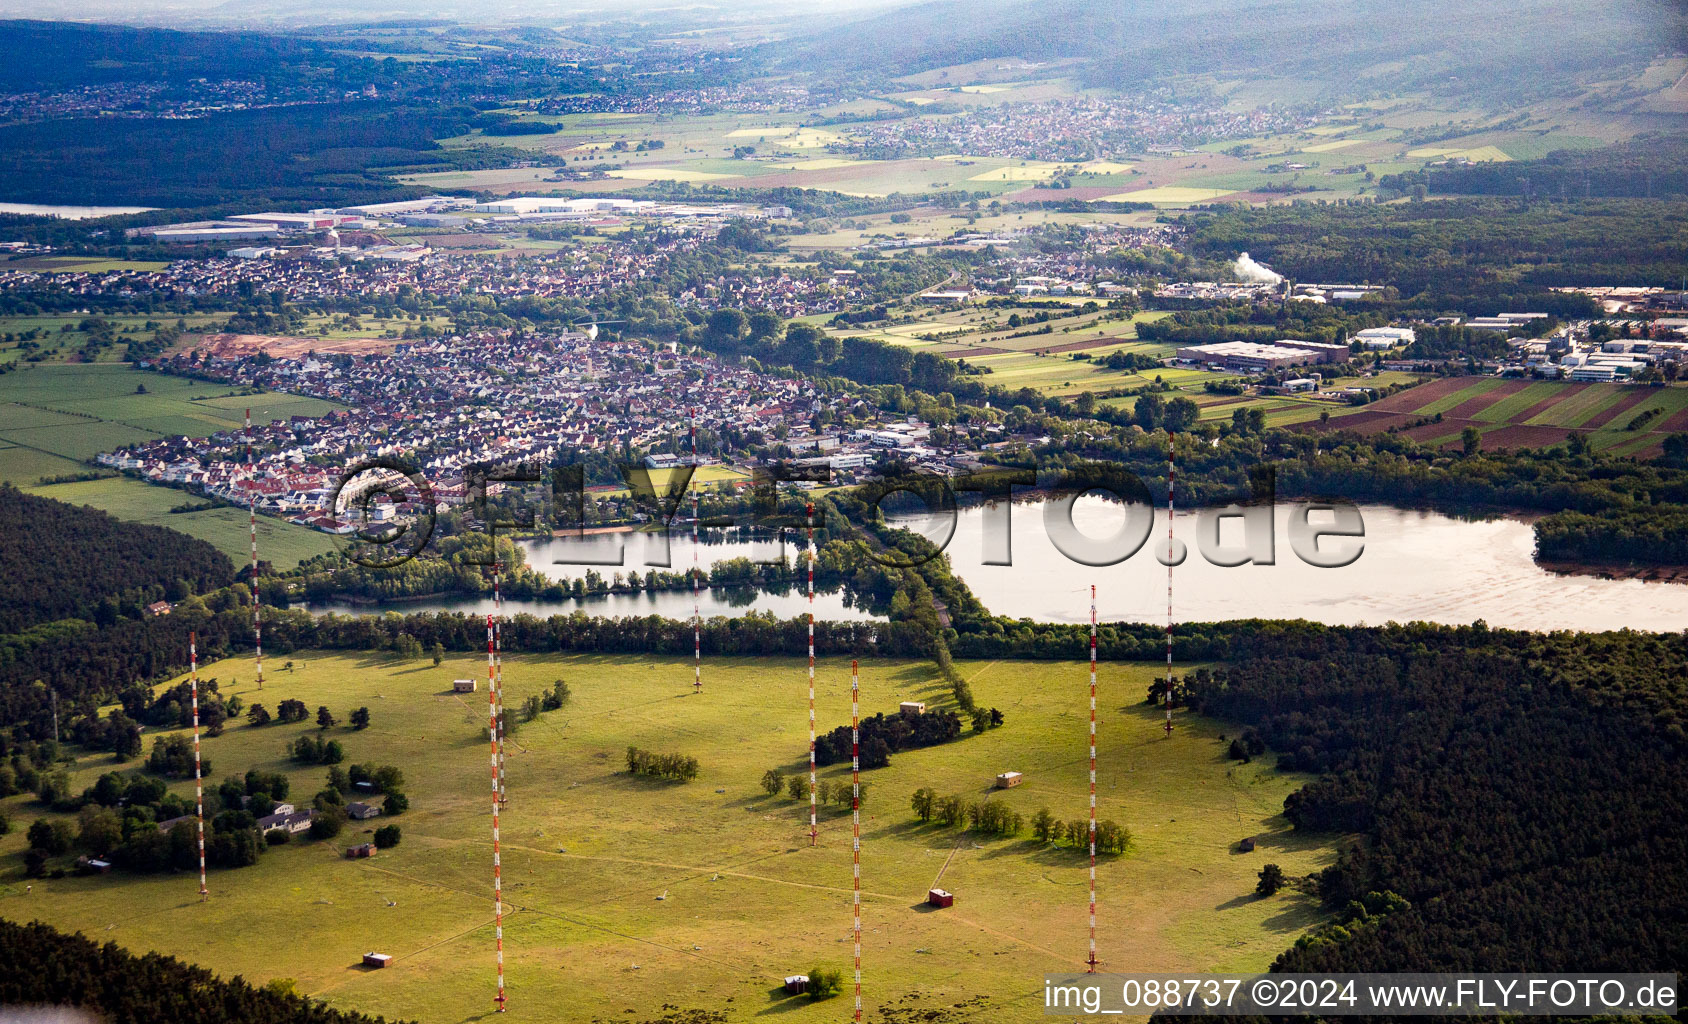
1416,566
641,551
570,558
69,212
670,604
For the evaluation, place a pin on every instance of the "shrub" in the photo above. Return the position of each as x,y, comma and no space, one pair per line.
824,984
662,766
387,836
278,837
328,822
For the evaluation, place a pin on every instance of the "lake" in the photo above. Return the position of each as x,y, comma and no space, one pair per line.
1415,565
71,212
640,551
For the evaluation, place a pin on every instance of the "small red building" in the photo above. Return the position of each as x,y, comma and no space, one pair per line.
361,850
940,898
376,959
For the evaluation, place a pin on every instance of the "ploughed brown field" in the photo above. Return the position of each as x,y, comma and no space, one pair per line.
1622,419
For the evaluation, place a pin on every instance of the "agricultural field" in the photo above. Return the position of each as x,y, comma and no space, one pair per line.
81,264
627,897
61,337
1515,413
280,543
1045,362
79,410
55,418
1332,158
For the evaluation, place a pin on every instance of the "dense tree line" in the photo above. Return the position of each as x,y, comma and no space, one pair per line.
1648,535
212,160
66,561
1473,256
50,967
1650,166
1494,776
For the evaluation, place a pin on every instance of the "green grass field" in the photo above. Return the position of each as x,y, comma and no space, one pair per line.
281,543
55,418
626,896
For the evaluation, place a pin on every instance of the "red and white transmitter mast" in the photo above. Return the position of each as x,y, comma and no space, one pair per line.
252,522
814,831
495,733
198,782
1091,962
856,828
1171,484
697,618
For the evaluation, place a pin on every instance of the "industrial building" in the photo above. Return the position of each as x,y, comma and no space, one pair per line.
212,233
1385,337
1254,357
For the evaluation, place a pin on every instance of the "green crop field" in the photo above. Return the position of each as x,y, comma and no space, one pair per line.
281,543
55,418
79,410
627,896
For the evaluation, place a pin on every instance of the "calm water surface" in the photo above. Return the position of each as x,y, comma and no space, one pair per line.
640,551
1415,566
71,212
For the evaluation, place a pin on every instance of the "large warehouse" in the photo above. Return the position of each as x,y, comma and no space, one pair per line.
1248,355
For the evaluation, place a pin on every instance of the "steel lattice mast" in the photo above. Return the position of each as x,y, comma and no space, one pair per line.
856,827
498,667
252,522
494,732
1090,964
198,784
814,832
1171,484
697,618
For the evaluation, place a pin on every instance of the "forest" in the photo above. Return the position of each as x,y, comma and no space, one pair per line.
68,561
1477,256
50,967
311,154
1494,779
1646,167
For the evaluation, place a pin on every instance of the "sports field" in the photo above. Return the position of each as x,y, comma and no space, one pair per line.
629,898
1517,413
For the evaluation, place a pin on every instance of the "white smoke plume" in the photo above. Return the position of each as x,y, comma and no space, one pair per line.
1249,270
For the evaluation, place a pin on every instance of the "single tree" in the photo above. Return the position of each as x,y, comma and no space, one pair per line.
1271,880
360,718
324,717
